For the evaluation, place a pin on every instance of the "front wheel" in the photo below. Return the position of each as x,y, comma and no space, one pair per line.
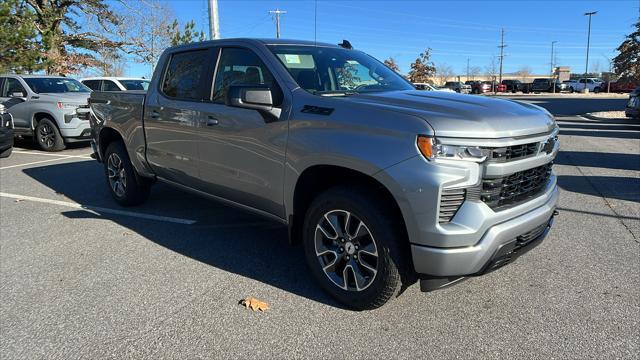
596,89
126,187
352,248
48,136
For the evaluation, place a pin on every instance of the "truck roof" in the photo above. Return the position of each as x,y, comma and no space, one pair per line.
257,41
27,76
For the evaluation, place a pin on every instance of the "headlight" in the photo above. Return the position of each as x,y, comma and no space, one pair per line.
432,149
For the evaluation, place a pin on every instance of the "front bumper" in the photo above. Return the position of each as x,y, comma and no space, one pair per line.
477,259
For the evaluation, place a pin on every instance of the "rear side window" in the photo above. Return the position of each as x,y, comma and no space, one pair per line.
239,67
184,75
92,84
109,85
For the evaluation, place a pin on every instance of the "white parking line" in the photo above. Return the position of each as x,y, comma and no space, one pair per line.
96,210
87,156
58,157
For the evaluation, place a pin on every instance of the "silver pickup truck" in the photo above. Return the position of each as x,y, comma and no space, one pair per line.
383,185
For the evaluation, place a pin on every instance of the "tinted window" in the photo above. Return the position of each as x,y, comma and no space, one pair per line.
11,86
239,67
56,85
185,74
135,84
92,84
108,85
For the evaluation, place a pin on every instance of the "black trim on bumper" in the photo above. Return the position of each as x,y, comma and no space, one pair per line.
504,255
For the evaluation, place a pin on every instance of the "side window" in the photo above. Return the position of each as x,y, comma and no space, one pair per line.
12,86
92,84
239,67
185,74
108,85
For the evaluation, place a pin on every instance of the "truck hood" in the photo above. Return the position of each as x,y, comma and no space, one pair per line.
71,98
465,116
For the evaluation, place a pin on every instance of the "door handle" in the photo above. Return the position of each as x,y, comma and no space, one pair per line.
154,115
211,121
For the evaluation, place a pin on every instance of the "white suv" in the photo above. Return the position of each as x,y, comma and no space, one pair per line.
115,83
593,84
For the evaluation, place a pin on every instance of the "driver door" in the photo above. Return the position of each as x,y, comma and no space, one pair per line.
242,151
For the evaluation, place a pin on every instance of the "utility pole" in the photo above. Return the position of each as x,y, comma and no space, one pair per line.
552,72
502,46
214,24
277,13
467,69
586,69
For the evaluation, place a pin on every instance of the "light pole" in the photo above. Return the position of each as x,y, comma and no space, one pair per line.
586,69
553,83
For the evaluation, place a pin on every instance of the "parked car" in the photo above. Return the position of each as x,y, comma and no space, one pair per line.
429,87
6,132
620,87
46,108
632,109
593,84
115,83
515,86
479,87
547,85
458,87
383,184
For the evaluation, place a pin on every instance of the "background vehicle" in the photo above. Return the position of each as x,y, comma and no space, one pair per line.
115,83
350,163
547,85
479,87
620,87
458,87
429,87
6,132
593,84
515,86
45,108
632,109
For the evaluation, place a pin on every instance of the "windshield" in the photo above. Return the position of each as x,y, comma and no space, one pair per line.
337,71
56,85
135,84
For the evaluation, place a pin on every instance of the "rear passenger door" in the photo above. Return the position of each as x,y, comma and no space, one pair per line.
242,151
171,127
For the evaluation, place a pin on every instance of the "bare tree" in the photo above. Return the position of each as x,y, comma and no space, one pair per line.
596,67
491,70
391,64
524,73
444,73
475,71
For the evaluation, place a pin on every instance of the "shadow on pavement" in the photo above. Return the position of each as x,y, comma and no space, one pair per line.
29,144
622,188
599,127
223,237
603,134
598,159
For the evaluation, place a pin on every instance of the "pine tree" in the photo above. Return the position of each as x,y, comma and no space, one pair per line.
627,63
19,48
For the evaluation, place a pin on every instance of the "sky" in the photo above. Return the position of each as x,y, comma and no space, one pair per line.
456,31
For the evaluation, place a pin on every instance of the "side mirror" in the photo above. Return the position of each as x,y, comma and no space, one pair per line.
18,95
252,97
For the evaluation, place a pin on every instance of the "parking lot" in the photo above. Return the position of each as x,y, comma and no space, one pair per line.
81,277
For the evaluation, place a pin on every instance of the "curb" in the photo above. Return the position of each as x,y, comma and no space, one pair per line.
593,117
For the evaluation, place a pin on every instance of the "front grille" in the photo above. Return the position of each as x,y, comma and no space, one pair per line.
515,188
450,202
514,152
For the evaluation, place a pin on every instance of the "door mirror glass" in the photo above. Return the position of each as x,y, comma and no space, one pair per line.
18,95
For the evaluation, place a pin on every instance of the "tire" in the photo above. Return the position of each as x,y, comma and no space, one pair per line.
379,276
126,187
596,89
6,153
48,137
571,90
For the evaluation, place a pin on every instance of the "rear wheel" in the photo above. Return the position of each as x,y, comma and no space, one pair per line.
596,89
126,187
48,136
352,248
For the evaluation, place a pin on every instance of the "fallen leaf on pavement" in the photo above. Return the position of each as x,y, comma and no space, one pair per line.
19,200
254,304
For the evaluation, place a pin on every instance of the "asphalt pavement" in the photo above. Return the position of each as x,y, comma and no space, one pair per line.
81,277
